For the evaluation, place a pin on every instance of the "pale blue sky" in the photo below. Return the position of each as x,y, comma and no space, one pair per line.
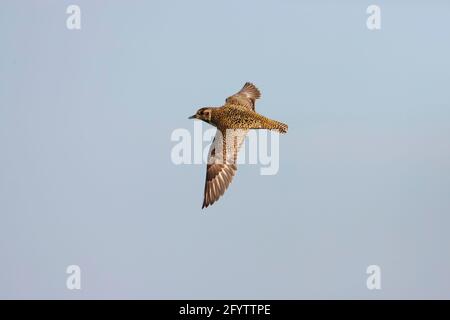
85,171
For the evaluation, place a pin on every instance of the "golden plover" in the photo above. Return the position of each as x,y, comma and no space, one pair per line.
233,120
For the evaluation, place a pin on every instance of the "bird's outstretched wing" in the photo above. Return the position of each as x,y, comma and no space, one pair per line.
222,163
245,97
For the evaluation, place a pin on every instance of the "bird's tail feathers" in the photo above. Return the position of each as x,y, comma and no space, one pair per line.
277,126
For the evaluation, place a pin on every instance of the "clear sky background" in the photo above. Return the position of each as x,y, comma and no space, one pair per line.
86,176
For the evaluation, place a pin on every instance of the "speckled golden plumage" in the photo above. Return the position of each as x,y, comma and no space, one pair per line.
233,116
233,120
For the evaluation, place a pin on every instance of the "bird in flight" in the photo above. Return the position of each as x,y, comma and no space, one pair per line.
232,120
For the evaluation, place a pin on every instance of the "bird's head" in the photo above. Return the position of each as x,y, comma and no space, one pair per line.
203,114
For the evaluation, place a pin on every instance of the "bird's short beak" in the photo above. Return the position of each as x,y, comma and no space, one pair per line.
193,117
